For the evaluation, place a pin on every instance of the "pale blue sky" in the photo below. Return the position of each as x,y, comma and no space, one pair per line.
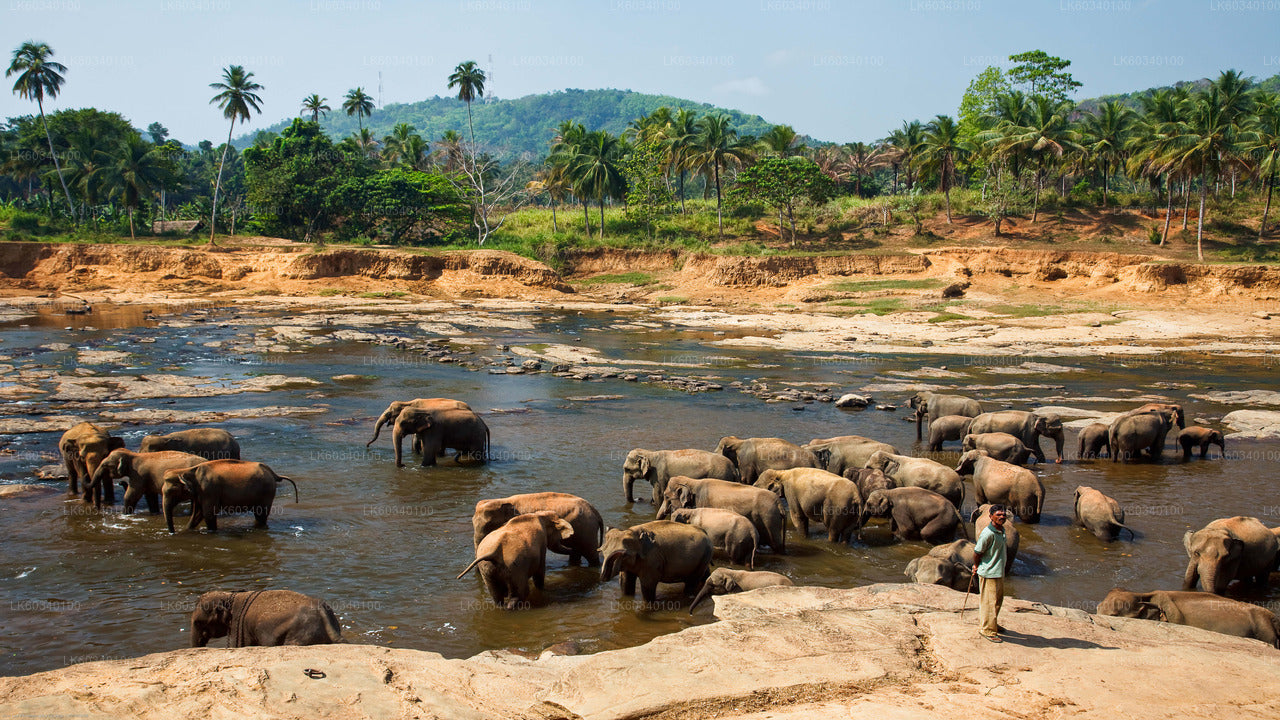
839,71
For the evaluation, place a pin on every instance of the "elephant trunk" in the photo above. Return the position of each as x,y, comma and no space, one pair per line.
199,638
628,483
664,509
703,594
610,566
1058,439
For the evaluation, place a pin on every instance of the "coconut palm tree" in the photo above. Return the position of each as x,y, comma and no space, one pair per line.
450,143
1162,111
907,144
136,170
236,97
357,102
395,147
941,147
861,161
595,169
1262,141
38,76
315,105
1045,137
553,181
566,145
1106,133
716,148
469,79
781,140
679,145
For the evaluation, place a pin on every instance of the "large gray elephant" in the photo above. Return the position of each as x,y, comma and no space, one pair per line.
999,445
1004,483
933,406
216,486
869,480
730,532
753,456
1093,439
263,618
1201,437
1235,548
145,472
460,430
944,565
906,471
945,428
1176,413
1196,609
396,407
761,507
1100,514
817,495
724,581
846,452
655,552
509,557
208,443
588,527
83,447
915,514
1026,426
1133,433
981,518
659,466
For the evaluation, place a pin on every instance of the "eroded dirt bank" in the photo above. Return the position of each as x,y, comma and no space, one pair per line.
875,651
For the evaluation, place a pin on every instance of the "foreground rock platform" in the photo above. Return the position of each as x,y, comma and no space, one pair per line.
883,651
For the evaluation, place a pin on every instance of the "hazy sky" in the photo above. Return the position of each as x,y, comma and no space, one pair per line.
835,70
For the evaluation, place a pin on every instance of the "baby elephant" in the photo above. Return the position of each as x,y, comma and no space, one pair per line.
916,514
1202,437
1197,609
947,427
933,570
514,554
1093,438
1099,514
729,532
656,552
588,527
724,581
218,486
208,443
999,445
263,617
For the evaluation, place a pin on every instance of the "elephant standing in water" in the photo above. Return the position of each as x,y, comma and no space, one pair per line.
915,514
1132,433
761,507
208,443
934,406
145,472
1004,483
1201,437
655,552
1093,438
83,447
906,471
724,581
1026,426
946,428
509,557
215,486
588,527
728,531
817,495
1099,514
999,445
1236,548
841,454
462,430
659,466
1196,609
949,565
263,617
395,408
753,456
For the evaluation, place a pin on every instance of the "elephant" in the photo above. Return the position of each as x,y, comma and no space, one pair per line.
395,408
216,486
659,466
957,551
1026,426
263,618
1196,609
761,507
869,480
509,557
932,570
1131,433
933,406
1093,438
145,472
818,495
999,445
724,581
754,455
462,430
657,552
981,518
1235,548
1203,437
729,532
83,447
995,481
1100,514
924,473
208,443
846,452
588,526
947,427
1178,415
915,514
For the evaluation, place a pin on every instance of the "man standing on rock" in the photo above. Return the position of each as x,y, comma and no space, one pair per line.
990,557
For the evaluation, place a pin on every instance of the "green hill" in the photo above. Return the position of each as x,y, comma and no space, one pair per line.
524,124
1131,99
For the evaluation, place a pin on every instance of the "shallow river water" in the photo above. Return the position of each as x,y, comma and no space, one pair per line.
383,545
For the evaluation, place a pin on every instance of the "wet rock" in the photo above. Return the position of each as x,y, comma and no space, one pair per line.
886,407
150,416
531,365
353,378
1261,424
1242,397
851,400
25,491
53,471
53,423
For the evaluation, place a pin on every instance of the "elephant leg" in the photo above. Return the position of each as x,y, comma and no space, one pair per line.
937,531
260,516
211,517
574,558
628,582
197,516
979,494
649,590
153,502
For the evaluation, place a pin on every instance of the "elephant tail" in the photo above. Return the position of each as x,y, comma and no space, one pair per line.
1132,534
331,626
475,562
291,482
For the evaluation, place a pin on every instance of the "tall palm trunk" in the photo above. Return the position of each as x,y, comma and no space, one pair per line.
554,226
601,217
71,208
472,126
586,217
217,186
1035,201
1186,200
1168,210
1271,183
1104,183
1204,187
682,192
719,217
132,236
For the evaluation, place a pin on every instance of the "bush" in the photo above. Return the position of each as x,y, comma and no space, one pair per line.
25,222
1154,235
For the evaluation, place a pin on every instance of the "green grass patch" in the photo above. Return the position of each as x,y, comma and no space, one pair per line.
877,306
1026,311
631,278
871,285
945,316
672,300
383,295
329,292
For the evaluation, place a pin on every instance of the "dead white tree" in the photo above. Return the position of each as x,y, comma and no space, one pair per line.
494,192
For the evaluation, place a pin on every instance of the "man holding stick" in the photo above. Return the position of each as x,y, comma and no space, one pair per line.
989,567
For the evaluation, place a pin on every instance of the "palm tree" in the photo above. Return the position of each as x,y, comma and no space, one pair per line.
395,146
718,147
862,161
38,76
238,94
315,105
566,145
941,147
1263,142
553,181
1162,111
781,140
364,143
136,170
357,102
679,144
1106,133
907,144
451,145
595,170
1045,136
469,79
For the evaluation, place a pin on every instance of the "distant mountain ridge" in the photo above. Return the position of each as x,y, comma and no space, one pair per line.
1132,99
525,124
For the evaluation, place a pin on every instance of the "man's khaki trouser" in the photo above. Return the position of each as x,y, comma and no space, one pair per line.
989,602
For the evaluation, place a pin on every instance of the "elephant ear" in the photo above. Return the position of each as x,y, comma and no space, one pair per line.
647,541
891,467
1235,546
683,495
645,465
1149,611
564,528
729,449
1186,541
